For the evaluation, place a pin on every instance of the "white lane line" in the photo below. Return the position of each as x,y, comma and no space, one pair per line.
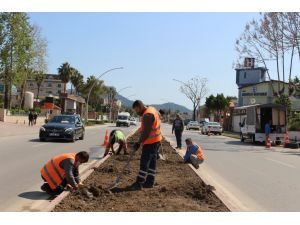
281,163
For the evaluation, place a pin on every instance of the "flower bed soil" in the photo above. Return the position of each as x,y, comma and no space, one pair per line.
178,188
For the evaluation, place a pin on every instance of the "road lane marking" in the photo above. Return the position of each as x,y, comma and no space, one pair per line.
281,163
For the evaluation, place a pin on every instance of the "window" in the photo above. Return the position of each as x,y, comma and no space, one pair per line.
58,92
31,84
59,85
49,85
245,75
49,92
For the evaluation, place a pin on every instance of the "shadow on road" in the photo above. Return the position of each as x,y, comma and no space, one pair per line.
35,195
35,140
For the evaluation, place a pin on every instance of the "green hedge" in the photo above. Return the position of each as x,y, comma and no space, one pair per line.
294,123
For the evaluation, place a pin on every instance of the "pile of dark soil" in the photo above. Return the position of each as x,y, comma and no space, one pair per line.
178,188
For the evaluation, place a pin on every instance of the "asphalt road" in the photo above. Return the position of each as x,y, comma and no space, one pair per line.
22,156
251,177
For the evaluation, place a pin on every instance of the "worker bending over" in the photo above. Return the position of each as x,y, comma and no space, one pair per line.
150,137
116,136
62,170
194,154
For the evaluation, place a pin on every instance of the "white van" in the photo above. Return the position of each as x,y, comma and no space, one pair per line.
123,119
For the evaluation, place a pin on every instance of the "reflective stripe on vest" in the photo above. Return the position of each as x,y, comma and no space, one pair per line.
155,134
52,172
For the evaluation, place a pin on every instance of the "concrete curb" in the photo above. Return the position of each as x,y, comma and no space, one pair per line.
85,174
228,202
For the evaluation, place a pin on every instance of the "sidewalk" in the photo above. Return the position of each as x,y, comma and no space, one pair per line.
11,129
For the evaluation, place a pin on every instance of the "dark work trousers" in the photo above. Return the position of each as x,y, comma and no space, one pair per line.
60,187
57,190
178,134
148,164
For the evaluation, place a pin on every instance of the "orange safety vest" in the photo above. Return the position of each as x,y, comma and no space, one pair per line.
155,134
52,172
199,153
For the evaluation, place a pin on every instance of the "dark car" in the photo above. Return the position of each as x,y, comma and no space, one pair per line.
66,127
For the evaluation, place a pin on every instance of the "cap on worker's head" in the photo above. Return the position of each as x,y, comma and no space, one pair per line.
188,140
83,156
137,103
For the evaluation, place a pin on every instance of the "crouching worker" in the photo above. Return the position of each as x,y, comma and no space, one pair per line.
62,171
194,154
116,136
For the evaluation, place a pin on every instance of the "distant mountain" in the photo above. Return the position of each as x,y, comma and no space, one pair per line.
172,106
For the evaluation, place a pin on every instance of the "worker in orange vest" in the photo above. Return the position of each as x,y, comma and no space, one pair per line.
62,170
150,137
194,154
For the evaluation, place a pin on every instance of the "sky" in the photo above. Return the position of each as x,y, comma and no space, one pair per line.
153,48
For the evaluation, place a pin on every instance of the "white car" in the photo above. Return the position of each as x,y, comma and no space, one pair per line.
133,121
193,125
212,127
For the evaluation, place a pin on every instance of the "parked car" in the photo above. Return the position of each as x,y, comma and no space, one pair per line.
133,121
193,125
67,127
213,127
202,123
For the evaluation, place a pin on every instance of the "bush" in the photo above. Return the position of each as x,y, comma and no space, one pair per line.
294,123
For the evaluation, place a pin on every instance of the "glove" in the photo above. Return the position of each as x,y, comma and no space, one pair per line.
136,146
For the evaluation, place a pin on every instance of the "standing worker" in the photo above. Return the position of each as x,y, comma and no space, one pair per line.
178,127
150,137
194,154
62,170
116,136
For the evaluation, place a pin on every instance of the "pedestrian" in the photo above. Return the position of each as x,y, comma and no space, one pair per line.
62,171
150,137
194,154
178,127
268,130
35,115
30,118
116,136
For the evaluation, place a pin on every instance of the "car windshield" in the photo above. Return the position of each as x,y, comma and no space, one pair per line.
63,119
132,119
194,123
122,117
213,124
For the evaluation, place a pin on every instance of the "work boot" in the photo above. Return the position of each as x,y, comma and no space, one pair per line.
149,185
136,186
46,188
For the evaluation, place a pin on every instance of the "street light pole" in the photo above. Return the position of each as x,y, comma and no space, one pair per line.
93,85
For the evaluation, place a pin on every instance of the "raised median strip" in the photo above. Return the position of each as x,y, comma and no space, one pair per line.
232,203
86,172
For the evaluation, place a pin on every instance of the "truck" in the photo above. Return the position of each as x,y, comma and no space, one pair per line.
253,118
123,119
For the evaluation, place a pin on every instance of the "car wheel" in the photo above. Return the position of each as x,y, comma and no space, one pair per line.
242,138
73,138
82,136
42,139
253,139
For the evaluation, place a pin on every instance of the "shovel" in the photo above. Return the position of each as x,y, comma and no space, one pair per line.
118,179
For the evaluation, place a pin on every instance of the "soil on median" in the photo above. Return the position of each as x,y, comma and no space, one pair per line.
178,188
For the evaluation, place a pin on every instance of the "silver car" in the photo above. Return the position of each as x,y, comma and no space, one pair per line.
212,127
193,125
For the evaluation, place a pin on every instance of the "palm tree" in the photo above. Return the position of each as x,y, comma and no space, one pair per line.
76,80
65,73
39,78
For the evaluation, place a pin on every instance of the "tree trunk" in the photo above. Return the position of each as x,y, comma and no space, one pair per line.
65,87
194,112
38,92
71,89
